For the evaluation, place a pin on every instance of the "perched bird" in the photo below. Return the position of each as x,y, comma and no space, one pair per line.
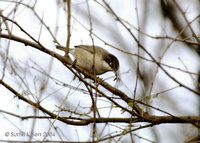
84,57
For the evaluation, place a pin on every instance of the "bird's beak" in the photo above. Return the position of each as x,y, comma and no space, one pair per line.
116,75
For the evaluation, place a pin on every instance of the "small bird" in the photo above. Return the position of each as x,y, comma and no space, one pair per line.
84,57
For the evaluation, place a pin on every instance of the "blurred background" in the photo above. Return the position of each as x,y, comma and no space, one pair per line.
161,27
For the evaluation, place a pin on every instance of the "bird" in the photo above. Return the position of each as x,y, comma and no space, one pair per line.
84,58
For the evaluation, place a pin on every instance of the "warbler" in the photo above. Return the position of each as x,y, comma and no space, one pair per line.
84,57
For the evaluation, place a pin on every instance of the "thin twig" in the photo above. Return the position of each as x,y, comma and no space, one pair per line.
150,55
188,23
68,27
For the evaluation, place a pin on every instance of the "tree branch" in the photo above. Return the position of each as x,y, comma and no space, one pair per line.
155,120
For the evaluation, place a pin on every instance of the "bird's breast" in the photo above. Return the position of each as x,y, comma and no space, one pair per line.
85,60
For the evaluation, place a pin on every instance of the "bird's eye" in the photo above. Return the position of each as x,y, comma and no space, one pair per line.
110,63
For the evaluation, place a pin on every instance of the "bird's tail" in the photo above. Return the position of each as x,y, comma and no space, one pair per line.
59,47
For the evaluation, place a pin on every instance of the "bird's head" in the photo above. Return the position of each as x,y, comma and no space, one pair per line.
112,62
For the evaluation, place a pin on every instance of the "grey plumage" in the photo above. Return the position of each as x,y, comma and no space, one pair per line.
84,55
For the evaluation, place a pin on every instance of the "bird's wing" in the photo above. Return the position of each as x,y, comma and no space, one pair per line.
90,49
